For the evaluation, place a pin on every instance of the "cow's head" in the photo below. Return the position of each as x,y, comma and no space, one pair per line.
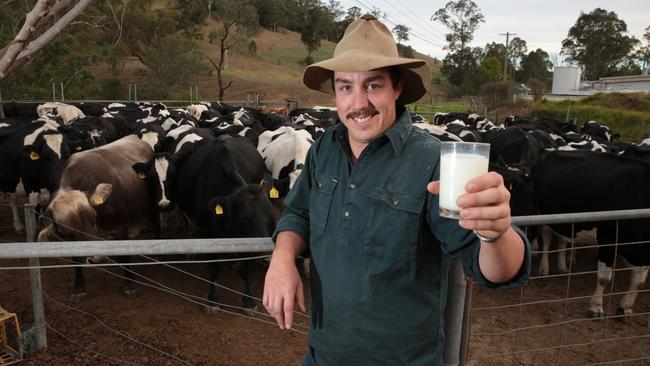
73,214
160,173
247,212
42,160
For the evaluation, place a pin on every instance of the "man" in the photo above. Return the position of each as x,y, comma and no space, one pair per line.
380,251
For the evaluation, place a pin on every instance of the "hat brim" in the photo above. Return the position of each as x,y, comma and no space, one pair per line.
416,73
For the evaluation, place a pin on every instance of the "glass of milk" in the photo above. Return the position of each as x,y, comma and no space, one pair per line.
459,162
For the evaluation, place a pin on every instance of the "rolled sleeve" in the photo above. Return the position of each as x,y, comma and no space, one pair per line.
473,269
465,246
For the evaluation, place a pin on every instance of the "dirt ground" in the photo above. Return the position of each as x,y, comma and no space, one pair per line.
163,328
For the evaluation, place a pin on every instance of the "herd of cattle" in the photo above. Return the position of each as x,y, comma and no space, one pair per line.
106,171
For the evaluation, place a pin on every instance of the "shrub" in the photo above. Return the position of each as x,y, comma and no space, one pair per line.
496,93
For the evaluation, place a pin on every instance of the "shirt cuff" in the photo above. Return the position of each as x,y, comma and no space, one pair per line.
519,280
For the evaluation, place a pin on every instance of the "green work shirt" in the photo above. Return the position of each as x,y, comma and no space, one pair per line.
380,253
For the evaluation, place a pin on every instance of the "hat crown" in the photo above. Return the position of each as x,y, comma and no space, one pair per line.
367,35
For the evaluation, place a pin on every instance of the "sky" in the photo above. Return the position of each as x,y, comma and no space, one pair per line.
542,24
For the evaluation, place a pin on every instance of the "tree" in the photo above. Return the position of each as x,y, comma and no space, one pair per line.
401,33
597,42
644,52
239,22
535,65
351,15
462,18
24,46
517,49
171,65
315,28
459,66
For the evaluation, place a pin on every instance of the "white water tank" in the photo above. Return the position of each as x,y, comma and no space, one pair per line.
566,80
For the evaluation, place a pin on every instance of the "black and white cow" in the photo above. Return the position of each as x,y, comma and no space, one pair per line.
33,153
67,112
583,181
100,196
222,186
284,152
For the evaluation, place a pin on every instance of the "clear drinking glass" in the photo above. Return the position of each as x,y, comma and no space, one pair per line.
459,162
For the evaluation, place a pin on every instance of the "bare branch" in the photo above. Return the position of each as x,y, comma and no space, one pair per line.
34,46
93,25
53,11
18,44
118,23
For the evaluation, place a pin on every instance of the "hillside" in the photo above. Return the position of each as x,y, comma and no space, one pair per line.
274,70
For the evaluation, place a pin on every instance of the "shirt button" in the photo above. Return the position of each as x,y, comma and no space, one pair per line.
347,214
353,186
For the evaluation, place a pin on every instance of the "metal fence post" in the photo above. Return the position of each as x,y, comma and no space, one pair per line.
62,95
53,91
35,277
454,314
2,105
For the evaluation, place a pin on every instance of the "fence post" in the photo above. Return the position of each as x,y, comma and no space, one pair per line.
196,92
2,105
568,114
62,95
454,312
53,91
35,277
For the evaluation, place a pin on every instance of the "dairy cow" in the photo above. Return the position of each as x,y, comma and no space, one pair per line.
100,196
222,186
583,181
33,153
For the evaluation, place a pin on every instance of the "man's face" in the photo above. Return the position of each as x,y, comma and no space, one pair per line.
366,103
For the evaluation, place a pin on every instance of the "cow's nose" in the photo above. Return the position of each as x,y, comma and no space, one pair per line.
163,203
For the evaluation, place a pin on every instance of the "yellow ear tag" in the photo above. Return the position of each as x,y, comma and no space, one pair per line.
218,210
141,175
262,182
510,187
98,201
273,193
34,155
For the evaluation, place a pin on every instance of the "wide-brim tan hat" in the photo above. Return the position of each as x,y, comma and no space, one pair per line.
368,45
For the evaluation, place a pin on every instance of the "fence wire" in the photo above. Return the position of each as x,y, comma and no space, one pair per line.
549,320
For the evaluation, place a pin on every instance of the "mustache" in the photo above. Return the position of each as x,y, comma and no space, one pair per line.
368,111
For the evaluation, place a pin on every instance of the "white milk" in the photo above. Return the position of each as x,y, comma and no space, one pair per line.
455,171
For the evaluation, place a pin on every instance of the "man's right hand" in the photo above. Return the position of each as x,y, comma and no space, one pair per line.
282,285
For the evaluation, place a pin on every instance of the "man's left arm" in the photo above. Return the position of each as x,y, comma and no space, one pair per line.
485,208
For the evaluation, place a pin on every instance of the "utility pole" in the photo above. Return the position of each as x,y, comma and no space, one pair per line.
505,56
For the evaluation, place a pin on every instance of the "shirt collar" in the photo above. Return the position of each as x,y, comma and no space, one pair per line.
397,134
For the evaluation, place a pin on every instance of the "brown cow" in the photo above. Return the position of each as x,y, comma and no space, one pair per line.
101,197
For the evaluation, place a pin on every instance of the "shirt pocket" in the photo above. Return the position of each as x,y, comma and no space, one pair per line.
393,224
320,203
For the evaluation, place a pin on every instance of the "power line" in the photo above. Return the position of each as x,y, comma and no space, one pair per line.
426,23
395,24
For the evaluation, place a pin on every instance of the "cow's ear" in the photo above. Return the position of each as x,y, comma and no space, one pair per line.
141,169
102,191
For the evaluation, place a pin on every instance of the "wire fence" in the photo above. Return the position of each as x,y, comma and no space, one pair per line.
547,322
555,318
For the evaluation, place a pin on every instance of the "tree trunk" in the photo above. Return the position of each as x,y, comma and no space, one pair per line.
17,53
11,52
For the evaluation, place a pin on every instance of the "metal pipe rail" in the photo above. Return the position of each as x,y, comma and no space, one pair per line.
134,247
581,217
